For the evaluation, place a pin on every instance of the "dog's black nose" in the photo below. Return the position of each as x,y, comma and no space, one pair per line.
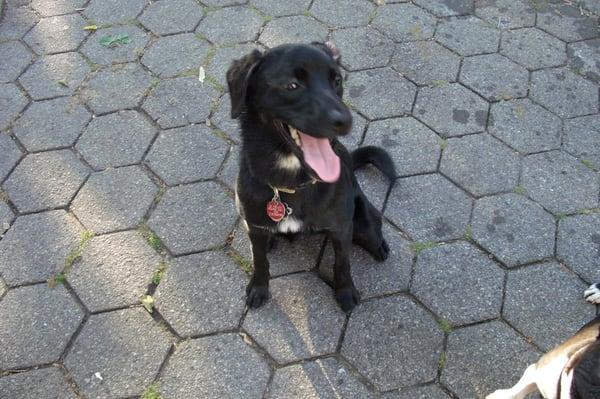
341,121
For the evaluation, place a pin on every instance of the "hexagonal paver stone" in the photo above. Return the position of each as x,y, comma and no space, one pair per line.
424,392
10,154
559,182
113,11
368,274
481,164
15,58
186,154
515,229
451,110
231,167
447,8
404,22
12,101
564,93
583,58
120,87
508,14
179,102
380,93
525,126
429,207
561,300
217,25
568,23
362,47
426,62
468,35
384,330
353,13
115,199
294,29
114,271
48,8
17,21
116,139
578,244
582,138
46,383
194,217
494,77
284,325
216,66
57,34
485,357
413,146
55,75
374,185
202,294
533,48
51,317
224,3
320,379
45,180
124,52
125,347
278,8
36,246
172,55
51,124
221,366
6,217
459,283
172,16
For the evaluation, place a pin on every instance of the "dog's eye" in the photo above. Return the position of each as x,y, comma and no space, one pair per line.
337,81
292,86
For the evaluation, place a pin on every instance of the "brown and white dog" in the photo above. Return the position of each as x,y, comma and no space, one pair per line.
569,371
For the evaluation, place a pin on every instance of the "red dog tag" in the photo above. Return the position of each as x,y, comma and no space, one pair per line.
275,210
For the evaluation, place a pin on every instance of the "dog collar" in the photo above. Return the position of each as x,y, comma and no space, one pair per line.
289,190
276,209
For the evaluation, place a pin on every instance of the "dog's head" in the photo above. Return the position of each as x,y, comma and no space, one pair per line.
298,90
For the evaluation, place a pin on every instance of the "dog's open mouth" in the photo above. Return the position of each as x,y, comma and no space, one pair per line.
316,153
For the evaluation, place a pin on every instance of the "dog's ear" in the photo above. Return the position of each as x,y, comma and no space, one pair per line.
330,49
238,76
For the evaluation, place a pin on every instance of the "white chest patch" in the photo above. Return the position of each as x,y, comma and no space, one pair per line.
288,162
289,225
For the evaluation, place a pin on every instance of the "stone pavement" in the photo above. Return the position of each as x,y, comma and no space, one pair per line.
116,173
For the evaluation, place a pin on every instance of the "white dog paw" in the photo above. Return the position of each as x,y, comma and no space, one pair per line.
592,294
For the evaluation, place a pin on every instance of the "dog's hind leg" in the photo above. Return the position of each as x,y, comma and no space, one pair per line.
367,228
524,387
257,291
345,293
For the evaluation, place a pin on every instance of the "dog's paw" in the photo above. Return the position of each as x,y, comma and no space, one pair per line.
256,295
382,252
592,294
347,298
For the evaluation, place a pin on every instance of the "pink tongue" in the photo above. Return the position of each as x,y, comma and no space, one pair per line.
319,155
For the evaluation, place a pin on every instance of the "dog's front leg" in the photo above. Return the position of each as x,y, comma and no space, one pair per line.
524,387
345,293
257,290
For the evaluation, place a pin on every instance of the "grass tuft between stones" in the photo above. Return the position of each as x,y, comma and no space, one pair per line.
445,325
75,255
159,273
419,247
244,263
151,392
151,238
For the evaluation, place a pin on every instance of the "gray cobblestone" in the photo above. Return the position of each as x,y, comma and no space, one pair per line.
113,11
468,35
173,55
294,29
47,383
36,246
362,47
494,77
216,26
578,245
12,101
124,52
583,58
17,58
582,138
51,318
426,62
172,16
57,34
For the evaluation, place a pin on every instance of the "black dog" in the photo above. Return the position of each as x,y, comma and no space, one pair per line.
294,174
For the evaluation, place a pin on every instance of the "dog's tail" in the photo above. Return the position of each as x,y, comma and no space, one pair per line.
375,156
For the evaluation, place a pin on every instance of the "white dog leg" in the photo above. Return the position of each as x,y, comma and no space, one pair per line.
524,387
